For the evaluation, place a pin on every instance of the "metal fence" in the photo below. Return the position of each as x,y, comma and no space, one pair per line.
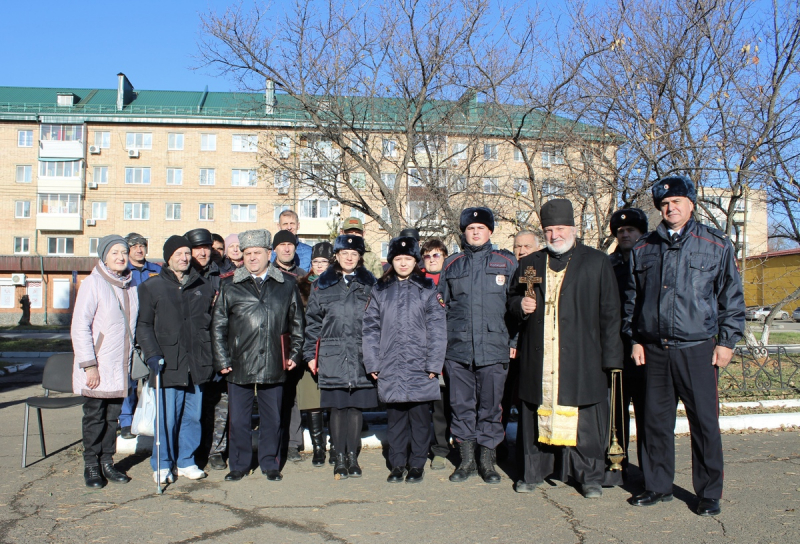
762,372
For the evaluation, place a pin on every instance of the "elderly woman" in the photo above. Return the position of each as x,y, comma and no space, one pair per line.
232,251
332,346
103,326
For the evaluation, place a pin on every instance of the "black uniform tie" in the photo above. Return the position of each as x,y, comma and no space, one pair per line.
675,236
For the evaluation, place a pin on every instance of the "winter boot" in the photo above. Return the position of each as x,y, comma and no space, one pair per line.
315,422
467,467
339,467
352,465
486,466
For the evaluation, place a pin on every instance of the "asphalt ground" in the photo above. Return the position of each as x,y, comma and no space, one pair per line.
47,502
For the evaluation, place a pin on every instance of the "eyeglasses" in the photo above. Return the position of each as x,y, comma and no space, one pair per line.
432,256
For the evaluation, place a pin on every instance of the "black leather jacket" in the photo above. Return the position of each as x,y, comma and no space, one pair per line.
248,324
475,285
682,293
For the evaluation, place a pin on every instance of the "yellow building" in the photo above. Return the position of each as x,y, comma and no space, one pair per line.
770,277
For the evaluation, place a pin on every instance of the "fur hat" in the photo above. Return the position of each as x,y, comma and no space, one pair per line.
322,250
255,238
403,245
480,215
173,244
414,233
349,241
284,236
628,217
673,186
199,237
105,244
557,212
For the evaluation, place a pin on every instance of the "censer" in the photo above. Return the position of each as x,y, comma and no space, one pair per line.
615,452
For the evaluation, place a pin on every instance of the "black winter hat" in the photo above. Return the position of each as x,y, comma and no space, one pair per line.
628,217
322,250
173,244
480,215
199,237
414,233
349,241
557,212
284,236
403,245
673,186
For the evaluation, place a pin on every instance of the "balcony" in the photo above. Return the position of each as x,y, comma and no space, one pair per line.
59,222
59,185
57,149
315,227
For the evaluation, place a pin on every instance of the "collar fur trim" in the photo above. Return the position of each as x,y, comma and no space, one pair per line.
331,277
242,274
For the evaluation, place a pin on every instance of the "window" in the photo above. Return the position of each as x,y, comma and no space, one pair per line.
207,176
738,206
588,222
243,213
316,209
22,209
459,183
24,173
138,140
459,152
63,133
278,210
173,211
419,210
521,186
136,211
523,217
60,204
61,293
282,180
427,176
552,189
284,145
384,250
386,216
24,138
101,174
587,156
430,143
247,143
358,146
175,142
551,156
208,142
389,148
137,176
93,242
22,245
60,169
357,213
206,212
389,179
102,139
60,246
359,180
491,186
244,178
99,210
174,176
518,155
490,152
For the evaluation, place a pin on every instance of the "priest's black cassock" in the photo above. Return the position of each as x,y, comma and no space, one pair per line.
589,345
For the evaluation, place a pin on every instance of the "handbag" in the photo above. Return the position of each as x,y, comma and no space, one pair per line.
139,369
145,414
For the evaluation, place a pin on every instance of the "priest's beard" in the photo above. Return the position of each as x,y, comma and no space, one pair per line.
560,246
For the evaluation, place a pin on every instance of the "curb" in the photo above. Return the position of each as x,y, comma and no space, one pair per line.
27,354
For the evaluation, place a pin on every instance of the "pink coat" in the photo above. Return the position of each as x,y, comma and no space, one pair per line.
99,335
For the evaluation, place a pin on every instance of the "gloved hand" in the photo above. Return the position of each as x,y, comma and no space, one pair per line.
155,363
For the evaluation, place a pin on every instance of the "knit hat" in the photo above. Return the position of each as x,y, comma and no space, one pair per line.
628,217
673,186
480,215
105,244
349,241
322,250
136,239
230,240
255,238
284,236
557,212
403,245
173,244
414,233
199,237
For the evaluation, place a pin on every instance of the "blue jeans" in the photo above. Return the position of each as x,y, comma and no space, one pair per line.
179,410
129,404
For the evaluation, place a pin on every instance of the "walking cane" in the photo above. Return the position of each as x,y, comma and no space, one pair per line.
157,430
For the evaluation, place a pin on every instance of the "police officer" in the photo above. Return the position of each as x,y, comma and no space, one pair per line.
684,313
474,284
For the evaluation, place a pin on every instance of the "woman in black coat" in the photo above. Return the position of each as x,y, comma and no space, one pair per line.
332,348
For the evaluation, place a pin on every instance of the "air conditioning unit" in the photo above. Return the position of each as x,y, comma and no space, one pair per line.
133,153
91,185
91,222
18,279
283,190
94,150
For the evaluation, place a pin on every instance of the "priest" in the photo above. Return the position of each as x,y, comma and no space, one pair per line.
566,300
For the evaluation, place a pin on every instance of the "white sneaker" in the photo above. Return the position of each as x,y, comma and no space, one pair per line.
166,476
192,472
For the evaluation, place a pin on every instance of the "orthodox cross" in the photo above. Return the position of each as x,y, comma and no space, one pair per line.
530,278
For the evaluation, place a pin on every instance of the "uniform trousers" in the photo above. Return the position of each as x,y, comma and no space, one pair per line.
475,396
409,422
686,374
99,427
291,418
240,409
215,416
440,414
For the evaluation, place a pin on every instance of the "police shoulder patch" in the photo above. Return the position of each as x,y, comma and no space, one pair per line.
440,299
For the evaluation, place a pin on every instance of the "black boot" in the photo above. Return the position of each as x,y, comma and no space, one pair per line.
315,422
352,465
340,468
113,475
92,476
467,467
332,456
486,466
